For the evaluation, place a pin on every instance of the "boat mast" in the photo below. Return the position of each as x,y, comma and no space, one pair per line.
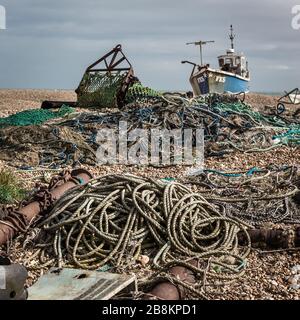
231,37
200,44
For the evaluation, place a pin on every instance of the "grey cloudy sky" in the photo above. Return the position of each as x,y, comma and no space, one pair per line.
48,44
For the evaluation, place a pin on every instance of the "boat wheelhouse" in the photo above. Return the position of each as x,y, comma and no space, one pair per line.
232,76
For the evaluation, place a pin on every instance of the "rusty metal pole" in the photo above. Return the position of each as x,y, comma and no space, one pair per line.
30,211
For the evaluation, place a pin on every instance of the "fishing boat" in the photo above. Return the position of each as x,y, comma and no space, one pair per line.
232,76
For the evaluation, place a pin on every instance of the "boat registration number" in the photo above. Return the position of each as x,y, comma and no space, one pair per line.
220,79
201,79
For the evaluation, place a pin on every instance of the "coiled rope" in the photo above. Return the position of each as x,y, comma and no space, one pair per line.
117,218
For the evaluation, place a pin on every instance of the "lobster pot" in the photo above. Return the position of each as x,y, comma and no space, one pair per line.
98,90
106,81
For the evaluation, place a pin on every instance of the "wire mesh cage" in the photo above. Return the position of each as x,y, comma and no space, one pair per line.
105,82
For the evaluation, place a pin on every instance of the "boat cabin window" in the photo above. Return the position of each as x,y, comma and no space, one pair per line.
228,61
235,63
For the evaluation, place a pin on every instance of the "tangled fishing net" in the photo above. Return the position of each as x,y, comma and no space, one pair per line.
116,218
256,196
229,124
49,146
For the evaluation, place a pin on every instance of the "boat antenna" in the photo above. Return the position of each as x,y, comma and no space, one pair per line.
200,44
231,36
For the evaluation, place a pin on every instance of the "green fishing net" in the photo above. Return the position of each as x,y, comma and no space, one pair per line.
34,116
138,93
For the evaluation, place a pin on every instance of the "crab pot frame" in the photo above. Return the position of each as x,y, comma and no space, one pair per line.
112,64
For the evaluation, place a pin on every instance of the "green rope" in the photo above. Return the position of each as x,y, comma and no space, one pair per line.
291,136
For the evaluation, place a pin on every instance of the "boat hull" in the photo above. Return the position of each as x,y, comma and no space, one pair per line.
214,81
